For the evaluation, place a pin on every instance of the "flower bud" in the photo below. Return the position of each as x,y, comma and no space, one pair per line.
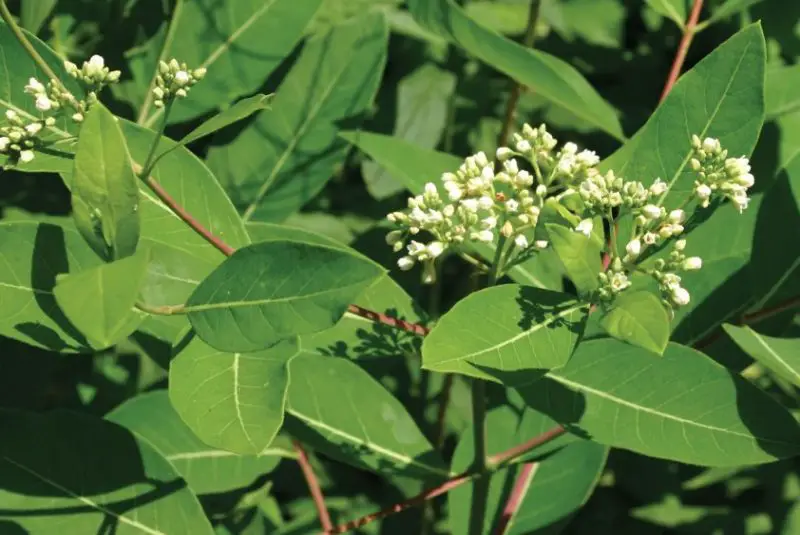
435,248
692,263
680,296
158,92
470,205
26,156
182,78
485,202
43,103
199,73
680,245
540,244
512,205
485,236
585,227
33,128
507,230
113,76
504,153
181,93
634,248
659,187
676,216
521,241
405,263
4,142
394,237
651,211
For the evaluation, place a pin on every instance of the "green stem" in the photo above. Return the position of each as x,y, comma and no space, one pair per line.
496,269
150,161
163,310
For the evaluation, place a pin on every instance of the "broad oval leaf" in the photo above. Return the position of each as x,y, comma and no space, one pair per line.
84,474
207,470
563,480
522,332
640,319
105,190
240,43
231,401
579,254
548,76
781,355
283,159
672,9
110,292
684,406
274,290
338,409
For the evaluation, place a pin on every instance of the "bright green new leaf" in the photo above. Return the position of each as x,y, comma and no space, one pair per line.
563,480
579,254
284,158
522,333
105,190
231,401
546,75
339,410
100,301
274,290
720,97
639,318
781,355
207,470
672,9
33,255
684,406
781,92
65,472
240,43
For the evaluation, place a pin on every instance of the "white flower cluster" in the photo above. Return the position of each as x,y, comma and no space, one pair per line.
174,81
613,281
19,139
666,274
719,175
93,74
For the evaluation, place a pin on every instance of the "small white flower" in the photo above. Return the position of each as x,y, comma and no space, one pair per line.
711,145
485,236
680,296
512,205
77,117
680,245
651,211
158,92
481,159
405,263
416,248
659,187
634,248
95,65
485,202
737,166
26,156
619,281
540,244
182,78
650,238
511,167
448,210
490,222
394,237
430,189
11,115
747,180
504,153
4,142
454,192
523,145
585,227
471,205
570,148
676,216
199,73
521,241
33,128
588,158
740,200
435,248
541,190
692,263
34,86
43,103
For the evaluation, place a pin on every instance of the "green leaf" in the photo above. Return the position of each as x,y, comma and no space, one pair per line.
274,290
579,254
34,13
422,106
721,97
231,41
780,90
731,7
240,110
33,255
781,355
683,407
339,410
64,472
672,9
285,157
110,291
207,470
523,332
546,75
639,318
105,190
563,480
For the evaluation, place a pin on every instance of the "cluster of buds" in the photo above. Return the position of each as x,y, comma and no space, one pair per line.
93,74
666,272
613,281
719,175
174,81
18,139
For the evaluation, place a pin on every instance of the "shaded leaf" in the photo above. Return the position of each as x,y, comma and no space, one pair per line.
684,406
780,90
579,254
729,8
339,410
34,13
206,469
110,292
283,159
672,9
231,401
523,332
548,76
72,473
640,319
781,355
274,290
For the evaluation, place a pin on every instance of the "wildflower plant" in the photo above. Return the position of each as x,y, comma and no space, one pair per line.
582,288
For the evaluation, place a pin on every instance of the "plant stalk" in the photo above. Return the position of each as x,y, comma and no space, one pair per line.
683,48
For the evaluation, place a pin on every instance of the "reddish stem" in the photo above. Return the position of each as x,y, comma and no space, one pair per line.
313,487
512,453
753,317
521,486
397,323
683,48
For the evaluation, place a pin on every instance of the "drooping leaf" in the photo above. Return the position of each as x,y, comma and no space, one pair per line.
672,9
100,301
579,254
275,290
105,190
422,107
552,78
34,13
639,318
563,480
65,472
207,470
781,355
231,401
684,406
239,43
283,159
338,409
523,332
33,256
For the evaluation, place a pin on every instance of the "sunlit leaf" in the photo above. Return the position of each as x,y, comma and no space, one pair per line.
638,318
781,355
